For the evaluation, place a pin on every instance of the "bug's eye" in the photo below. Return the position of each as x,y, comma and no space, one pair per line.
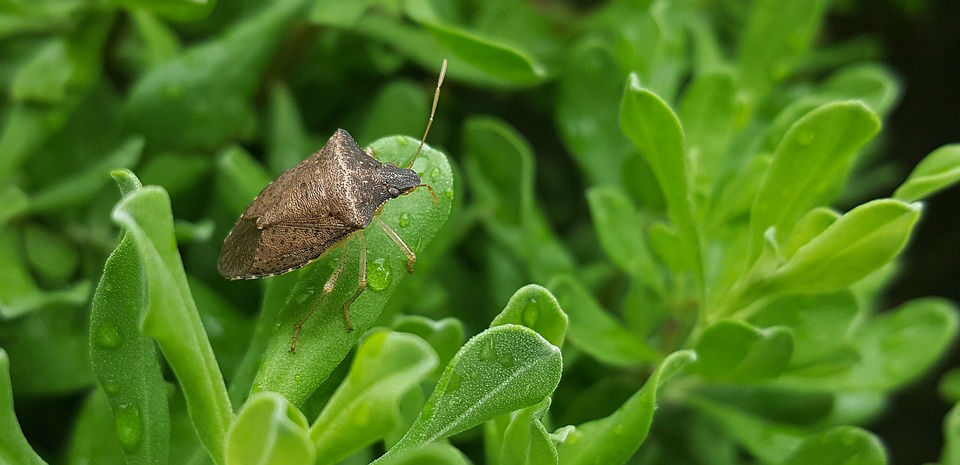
393,192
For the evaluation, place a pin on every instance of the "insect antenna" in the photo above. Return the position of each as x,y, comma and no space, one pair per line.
432,192
436,97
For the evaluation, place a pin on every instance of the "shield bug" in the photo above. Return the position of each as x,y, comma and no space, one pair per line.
321,203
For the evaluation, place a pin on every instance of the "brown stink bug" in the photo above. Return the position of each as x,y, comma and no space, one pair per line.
322,202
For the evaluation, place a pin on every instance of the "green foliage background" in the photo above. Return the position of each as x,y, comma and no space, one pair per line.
664,233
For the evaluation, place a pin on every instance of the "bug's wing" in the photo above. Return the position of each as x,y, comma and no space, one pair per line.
250,252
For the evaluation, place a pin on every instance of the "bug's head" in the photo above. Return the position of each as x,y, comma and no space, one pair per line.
399,181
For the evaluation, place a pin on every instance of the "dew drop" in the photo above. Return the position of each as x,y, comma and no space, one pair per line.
107,336
129,427
404,220
256,388
402,141
435,173
297,377
111,387
488,352
507,360
531,313
378,274
448,194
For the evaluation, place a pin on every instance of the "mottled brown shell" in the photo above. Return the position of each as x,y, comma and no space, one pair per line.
309,208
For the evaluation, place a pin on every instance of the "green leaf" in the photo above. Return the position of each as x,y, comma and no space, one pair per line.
269,431
340,14
587,114
171,316
438,453
125,361
840,445
937,171
526,441
240,178
502,369
51,255
769,441
951,434
13,446
655,131
93,438
324,341
733,350
288,142
709,114
366,405
949,386
612,440
177,10
392,112
620,230
861,241
190,101
15,202
535,307
820,324
811,162
500,60
895,348
445,336
176,172
78,189
776,33
808,227
594,331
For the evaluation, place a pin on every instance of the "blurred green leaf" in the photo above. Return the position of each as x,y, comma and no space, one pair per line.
820,324
810,163
769,441
895,348
840,445
502,369
171,316
14,200
19,294
620,230
535,307
178,10
125,361
13,446
288,142
269,431
393,112
615,438
937,171
949,386
79,188
733,350
594,331
160,41
951,434
365,406
776,33
50,255
93,439
201,98
809,226
445,336
176,172
240,178
655,131
709,114
324,341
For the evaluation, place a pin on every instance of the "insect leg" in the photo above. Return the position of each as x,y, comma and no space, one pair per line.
327,288
363,281
411,257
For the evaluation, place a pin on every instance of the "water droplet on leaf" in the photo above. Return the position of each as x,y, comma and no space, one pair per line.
107,335
129,427
404,220
448,194
531,313
456,380
435,173
378,274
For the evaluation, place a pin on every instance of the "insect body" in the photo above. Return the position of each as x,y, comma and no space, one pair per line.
325,200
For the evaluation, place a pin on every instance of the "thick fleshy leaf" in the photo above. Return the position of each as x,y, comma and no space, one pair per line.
810,164
535,307
269,431
125,361
820,324
500,370
808,227
859,242
366,405
735,351
13,446
655,131
937,171
615,438
777,32
525,439
594,331
438,453
171,316
324,340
